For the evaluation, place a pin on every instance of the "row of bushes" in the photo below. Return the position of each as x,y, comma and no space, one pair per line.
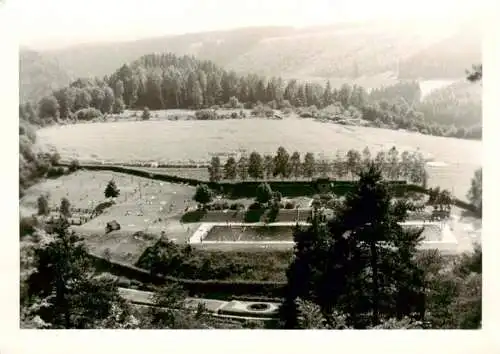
211,114
216,289
190,165
225,206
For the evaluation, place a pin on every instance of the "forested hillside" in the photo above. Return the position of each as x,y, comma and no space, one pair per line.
167,81
220,46
446,58
459,104
39,75
410,50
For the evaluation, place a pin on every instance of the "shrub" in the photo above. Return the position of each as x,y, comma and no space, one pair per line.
268,111
218,206
74,165
290,205
254,206
146,114
234,103
285,104
193,216
55,158
273,211
88,114
124,282
262,111
55,172
325,197
237,206
264,193
332,204
234,115
273,104
28,225
206,114
43,205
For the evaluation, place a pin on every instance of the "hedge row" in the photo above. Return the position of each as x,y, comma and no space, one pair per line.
217,289
202,166
247,189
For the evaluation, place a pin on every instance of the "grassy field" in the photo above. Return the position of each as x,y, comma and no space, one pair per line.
197,141
85,189
143,205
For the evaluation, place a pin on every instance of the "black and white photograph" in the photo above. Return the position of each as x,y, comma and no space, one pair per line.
250,165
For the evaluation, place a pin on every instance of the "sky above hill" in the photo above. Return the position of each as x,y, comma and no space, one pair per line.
56,23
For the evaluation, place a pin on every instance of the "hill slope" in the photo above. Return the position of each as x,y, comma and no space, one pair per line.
39,75
336,51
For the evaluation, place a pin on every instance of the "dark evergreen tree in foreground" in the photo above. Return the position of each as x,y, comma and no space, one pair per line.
359,263
64,292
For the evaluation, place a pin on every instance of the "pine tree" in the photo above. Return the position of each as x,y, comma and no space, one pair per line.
282,163
309,166
215,170
295,165
242,167
360,262
230,170
255,167
269,166
111,190
71,295
43,205
65,208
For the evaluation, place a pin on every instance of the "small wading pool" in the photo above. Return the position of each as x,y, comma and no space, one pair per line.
431,233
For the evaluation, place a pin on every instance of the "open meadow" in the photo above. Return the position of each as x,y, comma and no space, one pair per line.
453,161
143,205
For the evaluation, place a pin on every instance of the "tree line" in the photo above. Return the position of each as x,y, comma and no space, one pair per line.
167,81
394,165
